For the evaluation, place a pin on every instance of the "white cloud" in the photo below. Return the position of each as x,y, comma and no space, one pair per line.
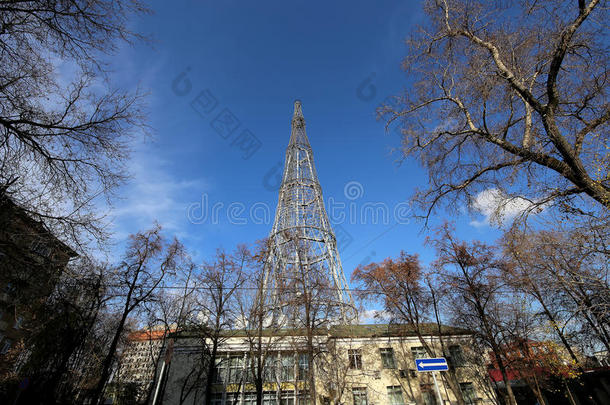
153,194
373,316
498,208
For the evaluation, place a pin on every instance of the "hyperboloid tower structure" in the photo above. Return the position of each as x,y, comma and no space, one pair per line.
302,252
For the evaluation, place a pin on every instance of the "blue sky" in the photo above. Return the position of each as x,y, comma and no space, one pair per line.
250,61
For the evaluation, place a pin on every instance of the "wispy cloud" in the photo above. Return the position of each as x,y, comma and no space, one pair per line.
498,208
153,194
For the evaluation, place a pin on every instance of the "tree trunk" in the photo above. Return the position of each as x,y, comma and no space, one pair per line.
577,173
156,359
600,331
105,373
538,391
563,339
259,391
310,348
312,379
509,390
569,394
496,349
210,375
260,380
489,336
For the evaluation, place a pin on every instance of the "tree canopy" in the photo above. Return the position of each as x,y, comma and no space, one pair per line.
511,97
64,130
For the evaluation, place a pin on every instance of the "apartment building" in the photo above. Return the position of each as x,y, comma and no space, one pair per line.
138,361
31,262
353,364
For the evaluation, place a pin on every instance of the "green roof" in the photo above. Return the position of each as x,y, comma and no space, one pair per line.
388,330
346,331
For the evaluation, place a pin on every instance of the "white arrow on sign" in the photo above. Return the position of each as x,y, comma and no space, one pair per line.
425,365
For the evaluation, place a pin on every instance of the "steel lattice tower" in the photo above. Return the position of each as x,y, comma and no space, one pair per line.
301,233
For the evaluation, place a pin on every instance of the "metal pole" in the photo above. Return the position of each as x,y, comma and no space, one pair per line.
438,392
154,401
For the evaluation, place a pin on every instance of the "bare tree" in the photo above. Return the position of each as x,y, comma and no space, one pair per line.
492,296
220,280
168,313
312,305
410,300
567,279
509,97
210,318
538,285
148,260
262,326
470,272
333,365
521,327
57,335
63,141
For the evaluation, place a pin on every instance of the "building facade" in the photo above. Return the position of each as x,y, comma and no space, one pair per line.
31,262
138,362
352,364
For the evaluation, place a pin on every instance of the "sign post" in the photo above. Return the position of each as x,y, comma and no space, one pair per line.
438,391
432,365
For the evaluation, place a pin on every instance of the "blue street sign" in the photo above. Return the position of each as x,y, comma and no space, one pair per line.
438,364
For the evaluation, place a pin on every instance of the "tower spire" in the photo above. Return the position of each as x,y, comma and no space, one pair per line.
298,112
303,253
298,134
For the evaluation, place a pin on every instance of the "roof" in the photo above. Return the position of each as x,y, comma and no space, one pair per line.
387,330
349,331
142,335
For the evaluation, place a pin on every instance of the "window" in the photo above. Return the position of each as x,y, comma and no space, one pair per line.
303,398
359,396
355,359
419,352
457,357
287,398
428,395
235,369
269,398
233,398
303,366
249,398
248,374
395,395
217,398
387,358
219,370
287,367
468,393
269,368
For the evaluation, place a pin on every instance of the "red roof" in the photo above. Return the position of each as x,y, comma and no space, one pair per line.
148,335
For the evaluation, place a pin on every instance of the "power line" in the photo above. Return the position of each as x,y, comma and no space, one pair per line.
230,288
